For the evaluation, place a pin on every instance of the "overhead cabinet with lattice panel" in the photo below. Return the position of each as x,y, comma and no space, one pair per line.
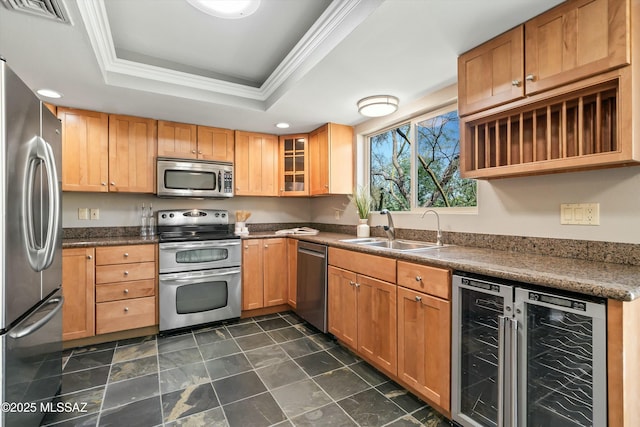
574,102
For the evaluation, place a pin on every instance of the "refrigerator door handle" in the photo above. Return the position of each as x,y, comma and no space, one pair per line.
53,225
40,256
502,333
28,330
514,371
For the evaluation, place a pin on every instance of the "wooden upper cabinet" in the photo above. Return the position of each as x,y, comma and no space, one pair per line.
331,160
294,165
132,154
492,73
575,40
177,140
256,164
85,150
215,144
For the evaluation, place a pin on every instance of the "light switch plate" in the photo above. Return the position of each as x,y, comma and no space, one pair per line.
95,213
83,213
580,213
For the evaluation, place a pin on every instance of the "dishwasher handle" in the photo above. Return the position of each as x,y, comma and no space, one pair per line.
312,249
312,253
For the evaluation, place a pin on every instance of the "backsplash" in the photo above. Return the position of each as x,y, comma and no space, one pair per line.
618,253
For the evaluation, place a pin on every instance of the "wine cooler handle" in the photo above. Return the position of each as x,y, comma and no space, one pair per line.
514,372
502,332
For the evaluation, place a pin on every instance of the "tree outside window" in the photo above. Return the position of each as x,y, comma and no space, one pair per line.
434,174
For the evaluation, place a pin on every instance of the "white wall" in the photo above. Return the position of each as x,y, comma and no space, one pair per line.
123,209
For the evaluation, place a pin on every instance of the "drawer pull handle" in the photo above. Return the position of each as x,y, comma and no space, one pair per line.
418,299
126,291
126,273
126,254
126,309
418,278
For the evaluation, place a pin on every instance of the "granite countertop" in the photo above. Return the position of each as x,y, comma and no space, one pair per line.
607,280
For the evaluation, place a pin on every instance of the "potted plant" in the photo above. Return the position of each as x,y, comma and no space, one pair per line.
362,200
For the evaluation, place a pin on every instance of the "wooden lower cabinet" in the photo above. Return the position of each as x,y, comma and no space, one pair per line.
424,345
125,288
78,287
264,280
362,315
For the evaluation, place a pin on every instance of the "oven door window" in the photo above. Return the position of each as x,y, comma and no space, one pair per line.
197,256
201,297
189,180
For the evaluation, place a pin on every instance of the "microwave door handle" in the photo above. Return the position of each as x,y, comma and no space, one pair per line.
219,182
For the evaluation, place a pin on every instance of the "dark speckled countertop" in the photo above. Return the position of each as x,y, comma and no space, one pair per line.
608,280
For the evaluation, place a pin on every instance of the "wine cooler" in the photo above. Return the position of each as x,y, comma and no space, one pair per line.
526,358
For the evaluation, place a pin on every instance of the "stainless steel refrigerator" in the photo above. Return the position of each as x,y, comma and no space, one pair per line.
30,253
526,357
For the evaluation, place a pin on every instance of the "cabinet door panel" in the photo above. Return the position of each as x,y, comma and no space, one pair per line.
377,322
342,306
492,73
85,150
424,340
176,140
275,276
78,287
576,40
215,144
256,164
132,154
252,275
319,161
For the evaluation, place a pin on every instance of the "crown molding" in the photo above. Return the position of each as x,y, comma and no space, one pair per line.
335,23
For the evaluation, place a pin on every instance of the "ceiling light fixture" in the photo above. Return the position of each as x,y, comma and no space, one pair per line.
48,93
228,9
378,105
282,125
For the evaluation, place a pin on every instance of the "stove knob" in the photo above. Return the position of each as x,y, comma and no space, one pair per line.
171,215
217,215
164,216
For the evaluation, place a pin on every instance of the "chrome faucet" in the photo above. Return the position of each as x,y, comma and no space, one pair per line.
390,230
439,235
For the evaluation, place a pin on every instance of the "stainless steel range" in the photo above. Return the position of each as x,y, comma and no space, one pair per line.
199,268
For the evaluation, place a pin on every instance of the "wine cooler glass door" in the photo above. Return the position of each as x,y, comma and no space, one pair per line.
562,361
478,307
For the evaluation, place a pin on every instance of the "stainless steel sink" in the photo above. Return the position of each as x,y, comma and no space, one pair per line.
395,245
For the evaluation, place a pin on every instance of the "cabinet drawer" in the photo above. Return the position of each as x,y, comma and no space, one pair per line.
127,314
370,265
422,278
125,254
125,290
125,272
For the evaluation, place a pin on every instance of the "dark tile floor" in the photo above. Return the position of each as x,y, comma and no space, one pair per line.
266,371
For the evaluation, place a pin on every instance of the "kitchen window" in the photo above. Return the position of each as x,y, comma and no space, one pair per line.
416,164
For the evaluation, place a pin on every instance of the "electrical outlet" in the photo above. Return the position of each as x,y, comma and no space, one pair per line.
336,214
580,213
95,213
83,213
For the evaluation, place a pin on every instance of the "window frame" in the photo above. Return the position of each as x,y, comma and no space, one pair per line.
413,121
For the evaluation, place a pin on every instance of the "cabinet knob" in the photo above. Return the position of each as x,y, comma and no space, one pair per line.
246,247
418,278
193,151
89,257
266,246
103,183
126,291
530,77
516,83
113,183
126,273
357,285
418,299
326,186
199,152
126,254
126,309
351,282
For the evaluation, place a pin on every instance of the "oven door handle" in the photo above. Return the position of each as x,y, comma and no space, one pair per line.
184,246
188,277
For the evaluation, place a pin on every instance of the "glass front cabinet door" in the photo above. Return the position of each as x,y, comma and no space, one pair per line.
294,165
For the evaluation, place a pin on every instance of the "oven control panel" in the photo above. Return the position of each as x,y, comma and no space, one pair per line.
193,217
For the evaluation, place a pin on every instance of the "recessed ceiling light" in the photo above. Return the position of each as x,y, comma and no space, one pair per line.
49,93
228,9
378,105
282,125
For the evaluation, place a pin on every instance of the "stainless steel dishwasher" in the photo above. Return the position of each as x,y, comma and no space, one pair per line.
311,302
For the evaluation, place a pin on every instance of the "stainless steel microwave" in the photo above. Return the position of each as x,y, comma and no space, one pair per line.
194,178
